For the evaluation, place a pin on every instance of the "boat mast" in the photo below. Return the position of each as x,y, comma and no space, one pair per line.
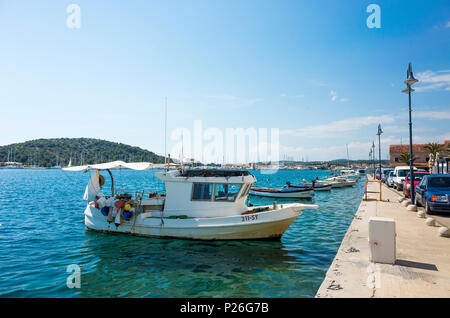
348,158
165,132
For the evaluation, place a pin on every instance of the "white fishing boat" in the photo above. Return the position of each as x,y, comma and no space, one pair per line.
304,193
201,204
349,173
340,182
336,182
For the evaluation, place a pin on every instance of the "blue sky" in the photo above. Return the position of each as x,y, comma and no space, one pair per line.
313,69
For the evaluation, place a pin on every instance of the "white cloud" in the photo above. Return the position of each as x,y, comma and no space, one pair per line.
433,115
357,149
395,129
429,80
345,125
425,139
335,97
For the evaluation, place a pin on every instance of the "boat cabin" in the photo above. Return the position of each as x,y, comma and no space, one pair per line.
206,192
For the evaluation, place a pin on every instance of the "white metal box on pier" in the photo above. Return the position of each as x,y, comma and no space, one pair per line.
382,240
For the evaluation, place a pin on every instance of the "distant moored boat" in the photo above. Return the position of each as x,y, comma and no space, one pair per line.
282,193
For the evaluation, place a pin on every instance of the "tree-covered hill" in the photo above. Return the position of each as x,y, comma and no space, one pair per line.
51,152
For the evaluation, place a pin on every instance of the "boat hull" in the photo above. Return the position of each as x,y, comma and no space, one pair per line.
256,226
319,187
286,194
337,183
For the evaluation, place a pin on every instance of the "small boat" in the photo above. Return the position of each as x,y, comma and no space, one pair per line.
340,182
349,173
304,193
316,187
361,172
199,204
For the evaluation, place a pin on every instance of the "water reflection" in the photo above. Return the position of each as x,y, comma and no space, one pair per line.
133,266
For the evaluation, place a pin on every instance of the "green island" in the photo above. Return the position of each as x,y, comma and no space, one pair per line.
80,151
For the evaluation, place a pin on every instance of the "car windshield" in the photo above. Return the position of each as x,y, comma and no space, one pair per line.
402,173
417,177
440,182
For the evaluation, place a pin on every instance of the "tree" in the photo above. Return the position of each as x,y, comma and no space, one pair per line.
434,149
404,157
47,152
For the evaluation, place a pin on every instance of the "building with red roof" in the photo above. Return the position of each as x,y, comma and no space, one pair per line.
421,155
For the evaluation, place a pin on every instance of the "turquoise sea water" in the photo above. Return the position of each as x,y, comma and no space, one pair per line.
42,232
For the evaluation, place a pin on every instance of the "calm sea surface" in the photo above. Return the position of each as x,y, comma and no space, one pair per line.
42,232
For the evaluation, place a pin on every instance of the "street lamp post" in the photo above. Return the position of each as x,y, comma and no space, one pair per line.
373,159
410,80
379,147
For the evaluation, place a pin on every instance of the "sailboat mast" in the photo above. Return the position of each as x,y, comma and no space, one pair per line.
165,132
348,158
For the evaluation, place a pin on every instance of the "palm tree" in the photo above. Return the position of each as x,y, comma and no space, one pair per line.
434,149
404,157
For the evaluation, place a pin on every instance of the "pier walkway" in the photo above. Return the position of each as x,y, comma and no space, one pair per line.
422,268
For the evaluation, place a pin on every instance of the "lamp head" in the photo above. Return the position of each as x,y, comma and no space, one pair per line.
379,130
410,80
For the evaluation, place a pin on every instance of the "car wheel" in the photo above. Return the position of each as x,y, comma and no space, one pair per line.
427,208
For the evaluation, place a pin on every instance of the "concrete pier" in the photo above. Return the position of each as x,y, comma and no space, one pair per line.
422,268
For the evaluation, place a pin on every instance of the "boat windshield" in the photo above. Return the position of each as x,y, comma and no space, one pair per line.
222,191
226,192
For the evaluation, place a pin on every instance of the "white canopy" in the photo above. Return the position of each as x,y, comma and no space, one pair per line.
120,165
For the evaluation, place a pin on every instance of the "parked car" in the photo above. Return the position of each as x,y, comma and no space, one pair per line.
399,176
418,175
377,174
384,174
390,179
433,192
